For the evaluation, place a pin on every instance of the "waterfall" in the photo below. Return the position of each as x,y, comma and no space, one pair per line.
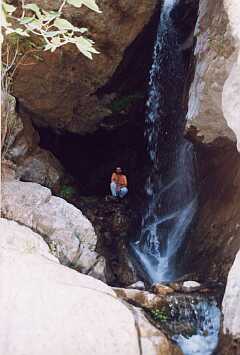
170,187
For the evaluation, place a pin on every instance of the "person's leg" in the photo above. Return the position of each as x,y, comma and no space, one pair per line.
113,188
123,191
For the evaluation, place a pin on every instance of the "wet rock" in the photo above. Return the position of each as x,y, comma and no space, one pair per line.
143,299
176,286
113,222
139,285
65,228
191,286
160,289
153,341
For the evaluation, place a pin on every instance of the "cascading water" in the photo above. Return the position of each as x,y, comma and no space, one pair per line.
170,187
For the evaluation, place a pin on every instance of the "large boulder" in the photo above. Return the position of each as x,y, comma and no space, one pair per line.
61,89
67,230
41,167
47,308
152,340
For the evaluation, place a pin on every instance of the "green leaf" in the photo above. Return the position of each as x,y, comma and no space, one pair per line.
4,22
8,8
56,41
34,24
18,31
85,46
52,33
26,20
34,8
63,24
82,29
91,4
51,15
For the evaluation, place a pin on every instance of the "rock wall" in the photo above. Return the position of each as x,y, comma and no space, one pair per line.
212,110
20,145
61,88
214,127
210,106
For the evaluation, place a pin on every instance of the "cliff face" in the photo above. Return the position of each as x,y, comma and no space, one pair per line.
61,89
214,92
214,108
214,127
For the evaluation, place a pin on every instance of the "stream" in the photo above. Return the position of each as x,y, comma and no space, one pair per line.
171,187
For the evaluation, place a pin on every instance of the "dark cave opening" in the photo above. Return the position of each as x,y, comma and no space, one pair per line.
90,159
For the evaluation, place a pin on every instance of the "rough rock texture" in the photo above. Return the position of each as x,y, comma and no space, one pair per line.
69,233
41,167
57,309
230,337
140,298
215,240
215,88
152,340
231,89
20,144
61,311
61,88
213,105
113,222
10,125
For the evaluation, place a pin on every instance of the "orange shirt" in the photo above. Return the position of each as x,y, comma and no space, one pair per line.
120,180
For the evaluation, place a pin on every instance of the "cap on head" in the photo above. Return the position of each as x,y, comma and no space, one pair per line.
118,169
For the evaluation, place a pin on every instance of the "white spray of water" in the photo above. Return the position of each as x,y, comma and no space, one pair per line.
171,194
172,203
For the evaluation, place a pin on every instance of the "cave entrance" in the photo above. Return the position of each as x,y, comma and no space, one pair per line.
90,159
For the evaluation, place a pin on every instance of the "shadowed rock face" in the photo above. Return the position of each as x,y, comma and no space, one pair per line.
213,108
60,88
215,240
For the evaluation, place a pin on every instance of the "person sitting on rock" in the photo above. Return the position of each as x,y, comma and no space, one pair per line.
118,183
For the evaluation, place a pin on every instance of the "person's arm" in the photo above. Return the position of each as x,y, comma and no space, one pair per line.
113,178
125,183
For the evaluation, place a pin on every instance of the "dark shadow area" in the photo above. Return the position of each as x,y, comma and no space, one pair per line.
91,159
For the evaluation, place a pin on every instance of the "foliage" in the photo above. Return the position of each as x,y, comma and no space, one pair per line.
123,103
53,30
67,192
159,315
27,30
